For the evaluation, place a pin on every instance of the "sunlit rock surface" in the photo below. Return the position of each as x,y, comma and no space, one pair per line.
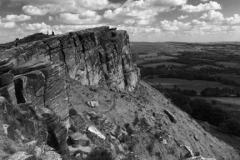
34,80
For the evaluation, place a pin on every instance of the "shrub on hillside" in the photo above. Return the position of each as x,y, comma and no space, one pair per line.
217,117
187,109
201,109
231,126
100,153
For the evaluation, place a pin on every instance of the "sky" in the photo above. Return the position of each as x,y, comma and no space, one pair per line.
144,20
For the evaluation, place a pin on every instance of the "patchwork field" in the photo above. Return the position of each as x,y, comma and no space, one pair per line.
230,64
224,100
235,78
197,85
163,63
206,66
150,57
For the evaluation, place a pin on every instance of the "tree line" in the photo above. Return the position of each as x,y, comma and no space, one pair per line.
220,92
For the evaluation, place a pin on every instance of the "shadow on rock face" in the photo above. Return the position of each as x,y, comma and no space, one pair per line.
19,91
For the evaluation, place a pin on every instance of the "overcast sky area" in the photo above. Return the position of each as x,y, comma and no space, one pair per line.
145,20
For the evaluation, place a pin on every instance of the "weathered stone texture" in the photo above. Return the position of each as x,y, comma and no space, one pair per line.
34,79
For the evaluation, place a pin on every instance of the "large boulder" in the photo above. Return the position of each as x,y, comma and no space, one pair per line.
51,155
20,156
79,139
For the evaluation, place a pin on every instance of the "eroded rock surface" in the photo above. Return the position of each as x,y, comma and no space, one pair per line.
45,92
35,80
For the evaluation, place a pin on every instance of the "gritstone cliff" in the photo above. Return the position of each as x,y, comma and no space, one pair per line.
79,91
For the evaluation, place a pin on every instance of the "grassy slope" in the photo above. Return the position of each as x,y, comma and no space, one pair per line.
143,103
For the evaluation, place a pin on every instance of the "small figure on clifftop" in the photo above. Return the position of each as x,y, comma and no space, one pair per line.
16,42
53,34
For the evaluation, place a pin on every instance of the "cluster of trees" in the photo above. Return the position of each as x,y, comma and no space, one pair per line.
191,61
224,92
210,55
185,92
202,110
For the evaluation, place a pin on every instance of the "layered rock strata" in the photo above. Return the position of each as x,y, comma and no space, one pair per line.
37,76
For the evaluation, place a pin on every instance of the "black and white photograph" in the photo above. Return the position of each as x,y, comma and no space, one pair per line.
119,79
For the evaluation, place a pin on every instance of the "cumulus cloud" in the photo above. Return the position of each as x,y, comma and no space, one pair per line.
87,17
198,23
174,25
32,10
233,20
35,26
218,17
166,3
139,17
140,12
39,8
213,16
183,17
95,4
130,15
212,5
16,18
7,25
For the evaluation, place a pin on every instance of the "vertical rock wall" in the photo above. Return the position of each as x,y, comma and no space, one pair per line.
98,56
39,73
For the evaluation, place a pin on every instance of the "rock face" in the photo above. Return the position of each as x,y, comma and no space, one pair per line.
35,80
77,95
42,69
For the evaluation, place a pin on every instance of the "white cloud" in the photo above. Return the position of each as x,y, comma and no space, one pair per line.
233,20
137,32
143,22
87,17
95,4
7,25
138,17
183,17
166,2
129,21
174,25
198,23
139,11
129,15
212,5
35,26
16,18
32,10
212,15
43,7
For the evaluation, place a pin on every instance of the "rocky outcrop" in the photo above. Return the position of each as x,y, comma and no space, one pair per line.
58,100
35,79
43,69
